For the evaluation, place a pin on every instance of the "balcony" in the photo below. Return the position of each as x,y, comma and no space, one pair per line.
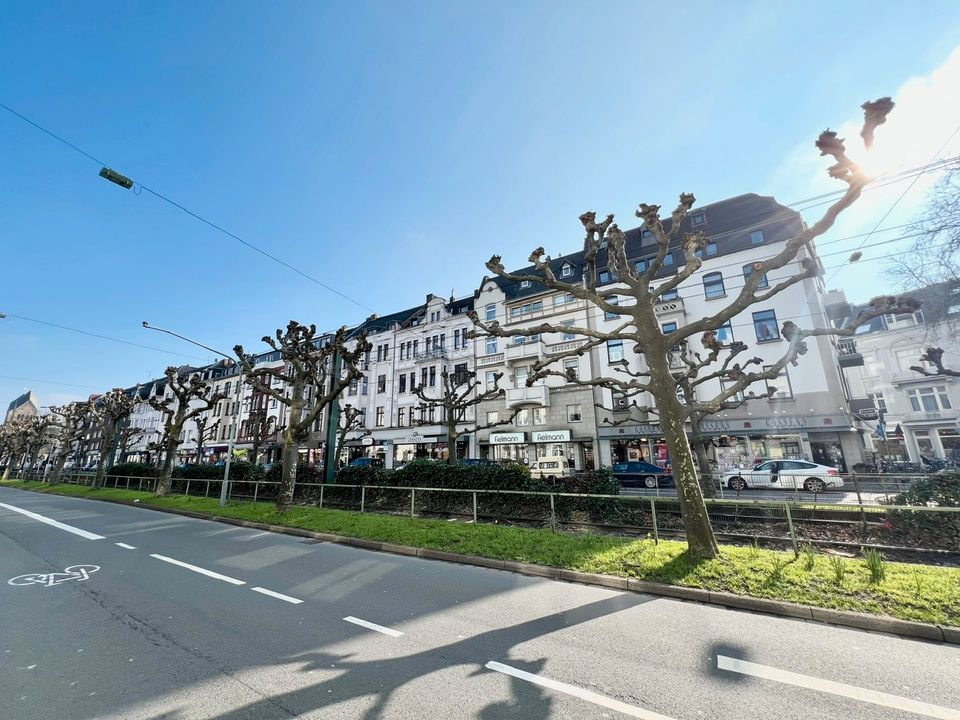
535,396
492,359
433,354
847,353
518,352
564,347
669,307
918,416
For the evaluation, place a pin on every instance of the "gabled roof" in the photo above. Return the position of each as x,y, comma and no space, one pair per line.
936,299
515,290
27,397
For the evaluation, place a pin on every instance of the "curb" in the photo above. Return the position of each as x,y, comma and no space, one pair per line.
780,608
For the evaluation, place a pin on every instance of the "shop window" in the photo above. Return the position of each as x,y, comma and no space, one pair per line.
748,270
615,351
574,413
765,325
781,384
713,286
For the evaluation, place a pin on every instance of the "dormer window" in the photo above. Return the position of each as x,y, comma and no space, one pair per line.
566,271
699,218
524,283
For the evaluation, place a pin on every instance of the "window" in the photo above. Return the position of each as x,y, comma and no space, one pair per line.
364,385
423,377
780,384
523,417
668,259
491,312
519,339
538,306
524,283
642,265
380,416
491,379
400,416
699,218
607,315
607,277
493,417
756,237
929,399
748,271
566,271
713,286
538,415
491,345
351,391
413,381
558,300
515,312
615,351
670,295
433,375
710,249
381,383
878,402
415,343
765,325
430,413
571,366
906,358
726,385
520,377
567,335
725,333
403,384
460,373
574,413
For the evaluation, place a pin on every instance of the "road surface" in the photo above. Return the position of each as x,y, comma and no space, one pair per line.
120,612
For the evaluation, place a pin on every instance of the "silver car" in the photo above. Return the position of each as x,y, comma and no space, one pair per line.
785,474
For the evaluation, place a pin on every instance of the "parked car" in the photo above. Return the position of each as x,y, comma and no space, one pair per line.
478,461
784,474
551,468
641,474
364,462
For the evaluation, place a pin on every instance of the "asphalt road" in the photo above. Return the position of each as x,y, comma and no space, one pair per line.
233,623
840,496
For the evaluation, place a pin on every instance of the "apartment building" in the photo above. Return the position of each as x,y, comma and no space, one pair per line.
911,415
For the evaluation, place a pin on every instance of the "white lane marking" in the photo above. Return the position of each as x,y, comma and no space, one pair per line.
124,545
578,692
835,688
373,626
202,571
54,523
261,534
278,596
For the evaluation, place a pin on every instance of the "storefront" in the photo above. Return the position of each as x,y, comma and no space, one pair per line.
517,447
932,440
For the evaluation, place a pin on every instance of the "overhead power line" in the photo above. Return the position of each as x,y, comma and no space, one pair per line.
49,382
191,213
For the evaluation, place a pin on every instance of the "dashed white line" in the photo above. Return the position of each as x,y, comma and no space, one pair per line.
124,545
196,569
835,688
278,596
578,692
54,523
373,626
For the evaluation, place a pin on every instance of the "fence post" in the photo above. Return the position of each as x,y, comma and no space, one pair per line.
553,514
474,507
863,514
187,491
363,496
139,484
653,513
321,498
206,493
793,534
256,487
413,499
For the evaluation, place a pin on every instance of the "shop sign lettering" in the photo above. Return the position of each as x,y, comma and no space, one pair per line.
547,436
517,438
780,423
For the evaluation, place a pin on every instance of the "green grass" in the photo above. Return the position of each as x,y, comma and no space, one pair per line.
910,592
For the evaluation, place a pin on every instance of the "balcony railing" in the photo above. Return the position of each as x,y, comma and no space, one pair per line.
524,351
439,353
491,359
534,396
563,347
669,307
848,355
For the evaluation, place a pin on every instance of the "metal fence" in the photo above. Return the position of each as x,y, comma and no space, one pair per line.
789,520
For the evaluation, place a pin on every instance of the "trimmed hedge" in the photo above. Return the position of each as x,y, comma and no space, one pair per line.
939,490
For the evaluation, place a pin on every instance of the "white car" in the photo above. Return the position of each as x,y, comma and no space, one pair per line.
785,474
551,468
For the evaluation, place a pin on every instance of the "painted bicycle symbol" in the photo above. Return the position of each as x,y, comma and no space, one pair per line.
74,572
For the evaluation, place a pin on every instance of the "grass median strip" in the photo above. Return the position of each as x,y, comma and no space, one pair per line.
921,593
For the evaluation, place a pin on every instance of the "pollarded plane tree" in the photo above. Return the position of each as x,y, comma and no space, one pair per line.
206,430
72,423
110,410
260,427
14,441
191,397
352,420
127,434
327,364
39,435
637,327
456,394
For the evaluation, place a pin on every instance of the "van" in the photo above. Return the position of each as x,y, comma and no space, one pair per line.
550,468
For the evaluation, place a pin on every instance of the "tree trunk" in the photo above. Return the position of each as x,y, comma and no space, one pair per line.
291,458
106,443
6,470
166,472
708,483
54,477
451,443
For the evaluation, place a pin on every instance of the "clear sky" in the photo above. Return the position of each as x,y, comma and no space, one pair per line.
388,149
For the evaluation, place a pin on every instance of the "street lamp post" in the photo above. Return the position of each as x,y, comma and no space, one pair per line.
231,444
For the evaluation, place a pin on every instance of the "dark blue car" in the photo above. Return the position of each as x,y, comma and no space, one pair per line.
638,473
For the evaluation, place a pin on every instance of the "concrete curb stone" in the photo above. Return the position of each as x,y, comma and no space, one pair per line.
842,618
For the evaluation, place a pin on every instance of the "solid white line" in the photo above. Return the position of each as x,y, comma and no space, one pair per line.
54,523
124,545
278,596
373,626
202,571
834,688
578,692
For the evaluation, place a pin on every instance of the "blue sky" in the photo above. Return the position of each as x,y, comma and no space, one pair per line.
389,149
